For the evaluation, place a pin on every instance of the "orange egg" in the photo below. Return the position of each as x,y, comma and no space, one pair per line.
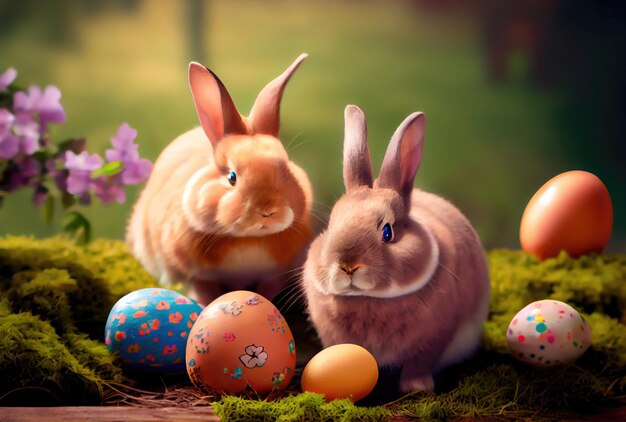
571,212
240,340
341,371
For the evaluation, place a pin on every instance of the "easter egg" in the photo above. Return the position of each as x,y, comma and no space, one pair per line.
149,329
571,212
240,341
341,371
548,333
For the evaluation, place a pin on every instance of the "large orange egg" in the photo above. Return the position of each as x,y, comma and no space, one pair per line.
571,212
341,371
240,340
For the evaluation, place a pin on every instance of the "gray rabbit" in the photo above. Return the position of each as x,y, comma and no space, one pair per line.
399,271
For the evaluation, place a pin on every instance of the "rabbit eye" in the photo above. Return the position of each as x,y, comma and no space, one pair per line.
387,233
232,178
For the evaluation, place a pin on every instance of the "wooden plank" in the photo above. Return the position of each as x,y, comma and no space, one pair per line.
193,414
107,413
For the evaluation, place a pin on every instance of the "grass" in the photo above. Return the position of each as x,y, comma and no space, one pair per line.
488,147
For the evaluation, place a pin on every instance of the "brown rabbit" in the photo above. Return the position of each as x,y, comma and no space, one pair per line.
224,208
399,271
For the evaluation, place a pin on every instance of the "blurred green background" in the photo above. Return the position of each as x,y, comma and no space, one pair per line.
514,92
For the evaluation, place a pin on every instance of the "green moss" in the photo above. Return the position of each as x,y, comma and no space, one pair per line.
55,298
594,283
493,383
301,407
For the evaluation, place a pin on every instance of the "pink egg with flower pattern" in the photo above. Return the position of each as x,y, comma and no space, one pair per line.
240,342
548,333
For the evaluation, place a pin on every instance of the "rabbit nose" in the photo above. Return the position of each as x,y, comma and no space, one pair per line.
268,213
348,268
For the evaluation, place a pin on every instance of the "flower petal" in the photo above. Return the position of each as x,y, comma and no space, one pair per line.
6,122
7,78
9,147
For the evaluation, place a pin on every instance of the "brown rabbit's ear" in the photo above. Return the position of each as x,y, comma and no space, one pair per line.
403,156
265,114
216,110
357,166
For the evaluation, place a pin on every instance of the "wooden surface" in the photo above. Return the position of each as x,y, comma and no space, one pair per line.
107,413
200,413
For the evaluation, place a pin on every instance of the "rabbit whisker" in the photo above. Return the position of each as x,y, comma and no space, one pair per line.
297,296
323,205
290,299
322,220
291,141
290,148
285,292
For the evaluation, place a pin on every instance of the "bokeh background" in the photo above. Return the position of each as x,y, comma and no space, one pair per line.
515,92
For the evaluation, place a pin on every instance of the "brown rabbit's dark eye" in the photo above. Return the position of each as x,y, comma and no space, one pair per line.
232,178
387,233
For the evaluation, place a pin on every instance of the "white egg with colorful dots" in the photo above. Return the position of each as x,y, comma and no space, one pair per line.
548,333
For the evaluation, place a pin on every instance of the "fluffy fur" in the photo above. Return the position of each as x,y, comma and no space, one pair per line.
191,224
417,302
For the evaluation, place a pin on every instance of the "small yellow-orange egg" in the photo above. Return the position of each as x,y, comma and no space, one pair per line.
571,212
341,371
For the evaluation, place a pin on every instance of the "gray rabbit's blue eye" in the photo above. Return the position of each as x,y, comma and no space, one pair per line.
387,233
232,178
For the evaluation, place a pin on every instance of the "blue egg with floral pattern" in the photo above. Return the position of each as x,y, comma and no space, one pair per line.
148,328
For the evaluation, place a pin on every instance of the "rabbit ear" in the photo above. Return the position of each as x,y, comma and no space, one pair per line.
216,110
265,114
403,156
357,166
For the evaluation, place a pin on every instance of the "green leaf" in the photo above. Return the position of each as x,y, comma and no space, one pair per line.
109,169
67,200
6,100
48,209
77,225
42,155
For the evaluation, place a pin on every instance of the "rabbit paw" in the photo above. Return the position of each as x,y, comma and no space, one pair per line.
412,383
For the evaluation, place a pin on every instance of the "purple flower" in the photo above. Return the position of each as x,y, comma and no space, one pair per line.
25,172
24,131
6,121
9,144
80,167
49,106
46,104
54,167
109,190
124,149
135,169
27,130
82,161
9,147
7,78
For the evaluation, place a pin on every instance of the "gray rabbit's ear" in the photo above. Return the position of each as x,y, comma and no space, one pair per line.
403,156
357,166
265,114
216,110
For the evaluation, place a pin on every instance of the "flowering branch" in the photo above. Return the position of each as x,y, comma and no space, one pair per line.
65,171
